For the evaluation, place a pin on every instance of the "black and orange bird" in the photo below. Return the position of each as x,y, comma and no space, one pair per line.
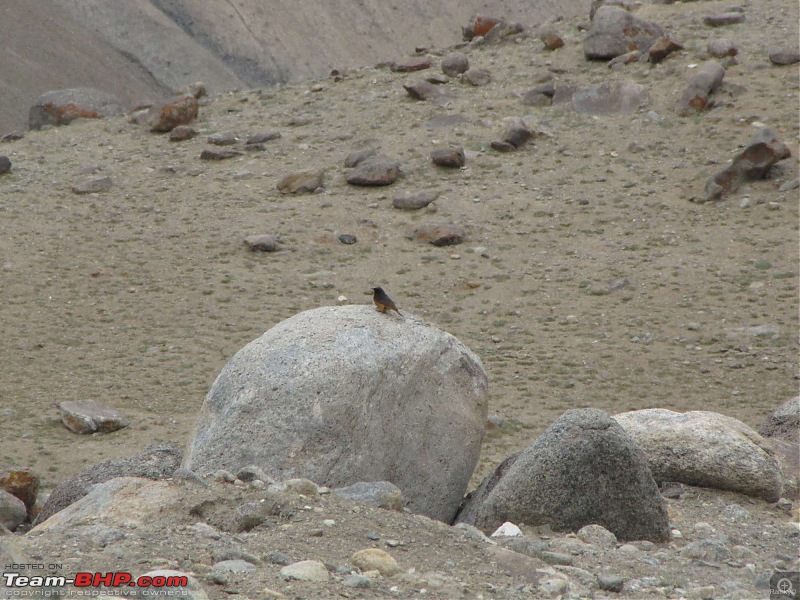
383,302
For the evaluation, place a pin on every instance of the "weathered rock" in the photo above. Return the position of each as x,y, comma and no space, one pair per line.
437,78
11,137
754,162
611,97
784,56
453,158
93,185
455,64
720,20
61,107
722,47
156,462
615,31
610,582
253,473
302,182
423,90
583,469
375,171
382,494
261,138
5,165
22,483
479,27
347,239
306,570
440,234
783,422
538,97
298,402
252,514
358,156
181,133
223,138
597,535
782,432
263,242
408,65
12,511
219,154
90,416
166,116
409,201
518,133
550,37
502,146
625,59
477,77
191,591
661,48
375,559
705,449
702,84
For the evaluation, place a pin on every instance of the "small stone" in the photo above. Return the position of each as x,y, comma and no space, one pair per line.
722,47
409,201
440,235
306,570
277,558
168,115
303,182
90,416
610,583
22,483
437,79
196,89
254,472
261,138
507,529
374,559
355,158
93,185
219,154
707,592
784,56
12,511
300,121
453,158
182,133
702,84
518,134
223,138
554,587
304,487
661,48
422,90
550,37
11,137
357,581
477,77
348,239
455,64
597,535
502,146
729,18
790,185
259,243
234,566
270,594
408,65
376,171
556,558
5,165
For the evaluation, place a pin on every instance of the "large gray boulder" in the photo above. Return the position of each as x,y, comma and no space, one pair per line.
156,462
615,31
583,469
346,394
705,449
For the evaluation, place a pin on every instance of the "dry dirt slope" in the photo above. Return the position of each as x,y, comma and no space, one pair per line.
587,279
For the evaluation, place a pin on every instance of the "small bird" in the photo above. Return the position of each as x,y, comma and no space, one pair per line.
383,302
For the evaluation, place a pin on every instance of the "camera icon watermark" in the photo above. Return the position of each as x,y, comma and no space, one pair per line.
785,584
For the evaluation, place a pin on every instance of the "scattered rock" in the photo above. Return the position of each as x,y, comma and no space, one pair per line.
610,583
12,511
182,133
502,146
661,48
22,483
453,158
550,37
375,171
507,529
261,138
253,473
358,156
793,184
61,107
223,138
90,416
382,494
539,96
408,65
156,462
11,137
219,154
375,559
701,85
357,581
302,182
477,77
597,535
754,162
615,31
611,97
166,116
784,56
306,570
625,59
423,90
455,64
263,242
437,79
783,422
252,514
729,18
274,386
722,47
409,201
480,26
5,165
93,185
440,235
583,469
348,239
705,449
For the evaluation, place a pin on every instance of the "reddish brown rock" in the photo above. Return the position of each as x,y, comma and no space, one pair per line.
303,182
453,158
408,65
550,37
22,483
61,107
375,171
615,31
480,26
440,235
166,116
90,416
661,48
702,84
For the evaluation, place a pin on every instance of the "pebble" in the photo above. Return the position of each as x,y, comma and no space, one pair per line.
550,37
783,57
477,77
224,138
422,90
254,472
440,235
277,558
12,511
376,171
261,138
790,185
219,154
408,65
348,239
507,529
453,158
357,581
722,47
234,566
409,201
306,570
597,535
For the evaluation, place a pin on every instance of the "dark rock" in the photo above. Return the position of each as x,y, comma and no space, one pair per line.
382,494
455,64
702,84
252,514
348,239
61,107
610,583
784,56
611,97
449,157
661,48
518,134
477,77
440,235
262,243
156,462
22,483
260,138
754,162
730,18
408,65
550,37
5,165
219,154
417,201
502,146
355,158
223,138
537,98
166,116
90,416
182,133
11,137
302,182
563,93
253,473
374,171
583,469
422,90
722,47
615,31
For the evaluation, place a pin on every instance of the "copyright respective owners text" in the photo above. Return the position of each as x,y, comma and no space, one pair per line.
785,584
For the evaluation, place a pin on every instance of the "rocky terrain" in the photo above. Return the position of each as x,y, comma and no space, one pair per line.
591,272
